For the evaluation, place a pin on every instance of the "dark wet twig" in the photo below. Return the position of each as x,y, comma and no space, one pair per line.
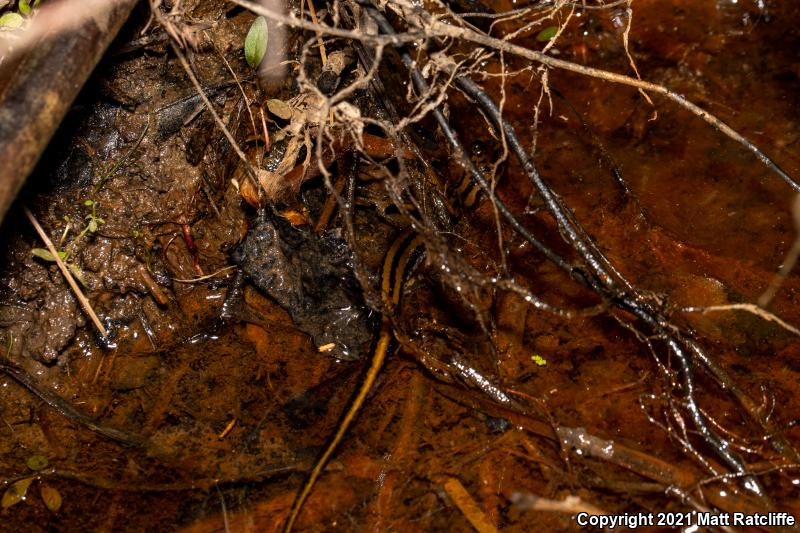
66,409
622,294
438,28
605,155
606,277
430,25
461,153
682,480
603,278
142,485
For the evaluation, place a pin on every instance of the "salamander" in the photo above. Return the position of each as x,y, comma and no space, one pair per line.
397,262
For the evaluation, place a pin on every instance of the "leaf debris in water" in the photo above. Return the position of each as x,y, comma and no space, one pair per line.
51,497
37,462
16,492
547,34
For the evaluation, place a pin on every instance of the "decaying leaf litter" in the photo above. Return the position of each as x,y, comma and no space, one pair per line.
544,326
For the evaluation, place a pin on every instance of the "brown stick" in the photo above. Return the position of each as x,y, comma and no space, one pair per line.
87,307
468,507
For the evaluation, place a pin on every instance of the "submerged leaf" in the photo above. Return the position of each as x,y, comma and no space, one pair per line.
37,462
11,20
16,492
547,34
255,44
51,497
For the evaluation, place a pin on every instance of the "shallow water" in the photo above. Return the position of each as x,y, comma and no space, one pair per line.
236,414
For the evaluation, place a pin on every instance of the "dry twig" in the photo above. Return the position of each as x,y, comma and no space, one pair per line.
85,305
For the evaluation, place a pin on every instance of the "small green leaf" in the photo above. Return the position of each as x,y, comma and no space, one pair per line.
92,225
88,203
41,253
255,44
51,497
547,34
24,7
11,20
16,492
37,462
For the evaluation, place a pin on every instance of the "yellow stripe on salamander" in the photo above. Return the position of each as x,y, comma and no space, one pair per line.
393,270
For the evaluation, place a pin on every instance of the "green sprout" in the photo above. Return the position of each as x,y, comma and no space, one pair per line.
255,44
539,360
65,253
94,221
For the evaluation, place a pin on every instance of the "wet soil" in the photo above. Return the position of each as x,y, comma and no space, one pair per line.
235,407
